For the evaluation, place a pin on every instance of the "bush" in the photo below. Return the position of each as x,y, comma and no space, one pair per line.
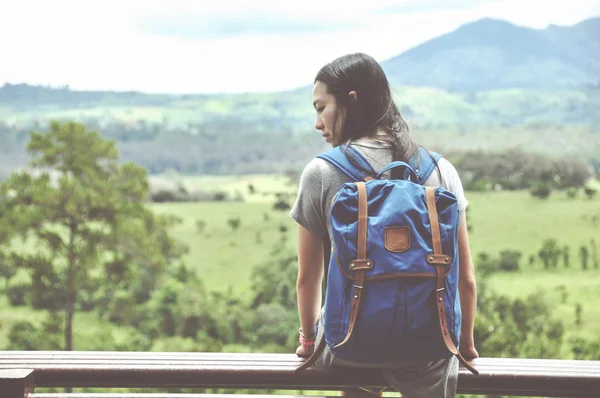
583,349
509,260
16,294
200,226
572,192
234,223
49,336
590,192
23,336
220,196
163,196
122,308
540,190
177,344
281,205
273,324
486,265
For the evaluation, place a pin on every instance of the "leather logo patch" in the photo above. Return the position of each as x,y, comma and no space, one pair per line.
397,239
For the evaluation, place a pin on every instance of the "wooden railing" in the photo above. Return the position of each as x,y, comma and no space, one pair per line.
21,372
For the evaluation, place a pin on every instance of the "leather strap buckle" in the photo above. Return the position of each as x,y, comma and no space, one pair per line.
439,259
358,264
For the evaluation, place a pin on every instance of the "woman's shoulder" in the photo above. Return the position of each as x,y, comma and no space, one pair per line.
451,181
446,167
315,168
448,173
319,172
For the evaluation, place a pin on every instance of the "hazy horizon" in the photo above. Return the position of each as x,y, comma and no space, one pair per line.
176,47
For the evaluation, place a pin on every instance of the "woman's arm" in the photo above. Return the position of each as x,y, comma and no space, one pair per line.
468,291
308,285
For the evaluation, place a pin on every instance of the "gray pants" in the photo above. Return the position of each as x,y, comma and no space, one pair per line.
413,379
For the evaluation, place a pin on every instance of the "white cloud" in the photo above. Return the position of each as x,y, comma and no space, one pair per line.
106,44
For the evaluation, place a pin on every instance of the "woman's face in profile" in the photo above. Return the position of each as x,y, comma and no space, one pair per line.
328,121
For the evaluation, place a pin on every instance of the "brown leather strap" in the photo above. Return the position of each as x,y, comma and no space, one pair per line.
354,307
362,220
315,355
443,323
441,277
433,220
359,275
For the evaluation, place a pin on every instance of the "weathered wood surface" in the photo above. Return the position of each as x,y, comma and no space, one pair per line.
502,376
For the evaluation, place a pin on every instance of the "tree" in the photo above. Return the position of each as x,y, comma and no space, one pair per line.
566,256
584,254
85,214
550,253
595,261
7,270
275,280
578,311
523,327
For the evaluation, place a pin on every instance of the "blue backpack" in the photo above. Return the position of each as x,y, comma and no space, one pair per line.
392,281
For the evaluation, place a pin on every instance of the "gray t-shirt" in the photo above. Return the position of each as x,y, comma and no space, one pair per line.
320,181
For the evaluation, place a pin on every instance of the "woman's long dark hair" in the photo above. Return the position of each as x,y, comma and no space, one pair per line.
374,109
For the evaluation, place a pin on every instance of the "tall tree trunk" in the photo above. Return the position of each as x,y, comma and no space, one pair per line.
69,312
70,304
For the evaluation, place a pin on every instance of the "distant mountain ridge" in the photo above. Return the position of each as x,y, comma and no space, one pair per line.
488,72
493,54
488,85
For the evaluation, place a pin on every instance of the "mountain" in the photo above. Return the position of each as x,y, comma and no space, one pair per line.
488,72
492,54
489,85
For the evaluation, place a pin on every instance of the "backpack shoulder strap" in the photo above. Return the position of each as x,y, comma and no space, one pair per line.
424,163
338,158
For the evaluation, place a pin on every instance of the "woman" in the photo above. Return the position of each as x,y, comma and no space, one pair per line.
354,105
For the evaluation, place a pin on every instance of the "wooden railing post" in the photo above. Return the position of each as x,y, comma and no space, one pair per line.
16,383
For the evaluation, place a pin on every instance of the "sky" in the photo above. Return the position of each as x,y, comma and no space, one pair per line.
198,46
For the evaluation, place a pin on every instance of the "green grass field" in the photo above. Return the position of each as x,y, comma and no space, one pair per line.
225,257
222,256
499,220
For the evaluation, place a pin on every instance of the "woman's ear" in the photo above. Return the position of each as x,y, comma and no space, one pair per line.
352,96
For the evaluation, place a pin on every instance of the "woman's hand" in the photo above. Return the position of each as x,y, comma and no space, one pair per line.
305,350
469,352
